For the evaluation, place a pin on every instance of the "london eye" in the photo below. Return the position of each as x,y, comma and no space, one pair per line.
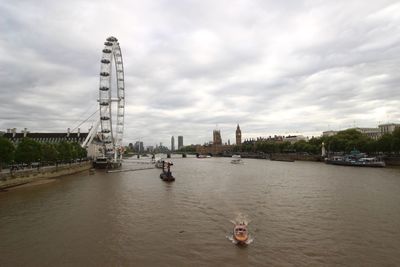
112,100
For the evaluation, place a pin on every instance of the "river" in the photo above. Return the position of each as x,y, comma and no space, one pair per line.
299,213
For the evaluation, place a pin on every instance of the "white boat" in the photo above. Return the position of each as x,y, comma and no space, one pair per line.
201,156
159,163
236,159
357,159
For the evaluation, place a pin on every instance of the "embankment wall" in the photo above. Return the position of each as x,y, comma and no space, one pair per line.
20,177
392,161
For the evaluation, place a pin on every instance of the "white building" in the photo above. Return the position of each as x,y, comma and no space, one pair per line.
373,133
329,133
294,138
388,128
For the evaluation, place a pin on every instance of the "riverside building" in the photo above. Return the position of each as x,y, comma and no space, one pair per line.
172,143
388,128
180,142
52,138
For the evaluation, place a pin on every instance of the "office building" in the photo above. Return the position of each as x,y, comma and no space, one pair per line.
172,143
180,142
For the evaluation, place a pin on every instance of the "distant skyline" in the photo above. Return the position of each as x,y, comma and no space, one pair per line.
274,67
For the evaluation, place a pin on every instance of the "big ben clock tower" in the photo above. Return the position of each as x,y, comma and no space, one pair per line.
238,135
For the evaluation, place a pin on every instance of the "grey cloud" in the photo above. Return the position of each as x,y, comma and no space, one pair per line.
194,64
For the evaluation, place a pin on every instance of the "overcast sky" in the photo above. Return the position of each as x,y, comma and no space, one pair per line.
274,67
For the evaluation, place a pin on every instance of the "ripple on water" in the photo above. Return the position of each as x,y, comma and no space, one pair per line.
300,214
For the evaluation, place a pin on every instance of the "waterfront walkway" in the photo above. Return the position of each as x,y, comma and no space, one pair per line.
12,178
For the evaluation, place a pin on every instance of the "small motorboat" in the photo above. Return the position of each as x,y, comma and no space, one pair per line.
202,156
236,159
240,233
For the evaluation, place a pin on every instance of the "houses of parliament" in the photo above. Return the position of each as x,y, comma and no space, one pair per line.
217,147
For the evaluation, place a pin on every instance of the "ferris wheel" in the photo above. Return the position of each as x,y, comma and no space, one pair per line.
112,99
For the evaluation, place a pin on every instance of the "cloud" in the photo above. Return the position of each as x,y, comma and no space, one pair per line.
275,67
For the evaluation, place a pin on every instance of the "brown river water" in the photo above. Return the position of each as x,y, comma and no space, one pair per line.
299,213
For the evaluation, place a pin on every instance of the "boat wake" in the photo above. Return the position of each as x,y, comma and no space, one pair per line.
234,241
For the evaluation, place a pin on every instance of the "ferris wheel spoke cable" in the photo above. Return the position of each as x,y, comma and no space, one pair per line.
90,116
94,105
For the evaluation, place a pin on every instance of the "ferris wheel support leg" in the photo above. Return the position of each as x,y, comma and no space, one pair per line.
92,134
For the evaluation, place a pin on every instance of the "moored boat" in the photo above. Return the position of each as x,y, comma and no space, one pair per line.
357,159
105,163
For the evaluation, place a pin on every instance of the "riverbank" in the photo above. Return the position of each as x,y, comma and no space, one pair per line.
390,161
277,156
22,177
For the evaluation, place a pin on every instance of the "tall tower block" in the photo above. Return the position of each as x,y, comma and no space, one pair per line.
180,141
172,143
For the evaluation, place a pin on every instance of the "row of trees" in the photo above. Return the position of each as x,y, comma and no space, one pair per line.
187,149
28,151
343,141
350,139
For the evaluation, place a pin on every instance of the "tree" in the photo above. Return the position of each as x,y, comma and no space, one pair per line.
247,147
316,142
188,149
6,151
28,151
370,147
236,148
347,140
49,153
64,150
396,140
385,143
303,146
77,151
